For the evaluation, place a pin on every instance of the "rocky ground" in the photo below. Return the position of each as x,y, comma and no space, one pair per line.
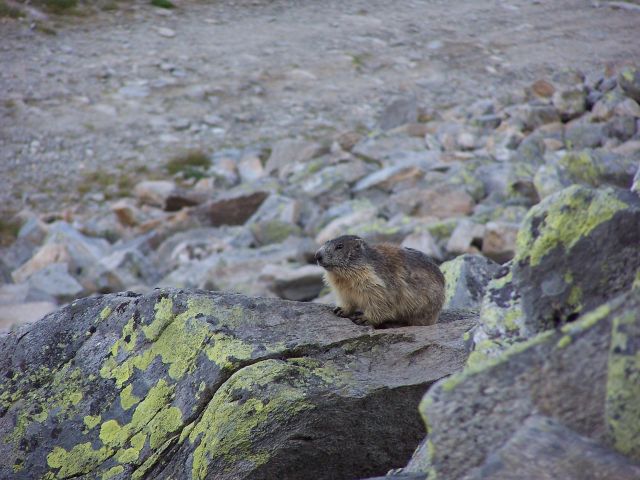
216,146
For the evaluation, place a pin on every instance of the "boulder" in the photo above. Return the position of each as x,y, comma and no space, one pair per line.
599,167
467,277
499,240
291,283
232,208
629,81
181,384
575,250
562,405
154,192
54,282
287,153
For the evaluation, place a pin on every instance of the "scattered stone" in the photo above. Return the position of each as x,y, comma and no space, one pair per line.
423,241
154,192
629,81
165,32
250,168
570,102
399,111
231,208
499,241
599,167
466,237
127,213
386,178
47,254
442,201
467,277
54,282
288,153
300,284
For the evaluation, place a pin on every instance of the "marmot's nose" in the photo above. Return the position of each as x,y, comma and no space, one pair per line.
319,256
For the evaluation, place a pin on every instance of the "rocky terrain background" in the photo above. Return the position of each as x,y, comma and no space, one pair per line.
213,152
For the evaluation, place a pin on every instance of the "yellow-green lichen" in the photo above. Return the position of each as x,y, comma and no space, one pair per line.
127,398
565,341
106,311
91,421
587,321
112,472
563,219
178,339
80,459
582,167
623,385
131,454
227,431
453,381
64,392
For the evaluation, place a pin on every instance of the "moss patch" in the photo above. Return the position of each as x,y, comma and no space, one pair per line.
226,433
623,385
563,219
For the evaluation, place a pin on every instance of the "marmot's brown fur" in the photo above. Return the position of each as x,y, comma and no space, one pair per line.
384,283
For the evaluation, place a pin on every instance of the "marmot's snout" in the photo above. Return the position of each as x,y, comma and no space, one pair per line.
319,258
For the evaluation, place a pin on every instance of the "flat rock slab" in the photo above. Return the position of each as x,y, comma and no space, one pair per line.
180,384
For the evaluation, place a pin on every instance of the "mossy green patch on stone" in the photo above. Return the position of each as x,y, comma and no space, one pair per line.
91,421
106,311
112,472
563,219
81,459
226,351
176,338
622,405
587,321
565,341
582,167
227,430
163,317
443,229
127,398
456,379
63,393
131,454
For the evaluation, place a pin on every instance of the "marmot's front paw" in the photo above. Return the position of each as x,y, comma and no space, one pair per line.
340,312
358,318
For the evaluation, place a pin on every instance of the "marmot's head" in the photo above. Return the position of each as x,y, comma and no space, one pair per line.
343,252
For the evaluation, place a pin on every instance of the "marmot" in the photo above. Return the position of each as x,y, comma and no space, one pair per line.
384,283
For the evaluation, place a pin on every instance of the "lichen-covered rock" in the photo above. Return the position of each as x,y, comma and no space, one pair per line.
466,279
575,250
629,81
201,385
536,410
501,321
598,167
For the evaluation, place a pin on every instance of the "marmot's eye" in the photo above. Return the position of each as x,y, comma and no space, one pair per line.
339,246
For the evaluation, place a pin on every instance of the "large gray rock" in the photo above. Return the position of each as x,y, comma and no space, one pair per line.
563,405
576,249
195,385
